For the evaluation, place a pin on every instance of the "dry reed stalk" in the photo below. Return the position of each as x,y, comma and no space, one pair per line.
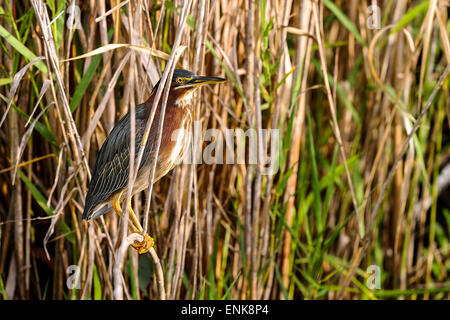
302,60
117,270
43,19
366,241
318,28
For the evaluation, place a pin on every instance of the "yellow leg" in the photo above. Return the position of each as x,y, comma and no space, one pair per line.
135,226
116,206
146,244
133,217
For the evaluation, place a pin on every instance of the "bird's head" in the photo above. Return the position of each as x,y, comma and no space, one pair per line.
185,82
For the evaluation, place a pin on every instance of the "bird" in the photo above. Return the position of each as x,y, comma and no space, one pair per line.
109,182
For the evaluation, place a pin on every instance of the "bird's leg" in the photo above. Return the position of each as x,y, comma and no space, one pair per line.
134,219
135,227
116,206
118,209
146,244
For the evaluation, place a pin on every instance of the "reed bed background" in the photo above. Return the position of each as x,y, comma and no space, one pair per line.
362,190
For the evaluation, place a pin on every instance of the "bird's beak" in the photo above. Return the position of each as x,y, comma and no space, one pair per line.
198,81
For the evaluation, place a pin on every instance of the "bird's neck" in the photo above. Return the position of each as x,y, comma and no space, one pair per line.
173,101
184,101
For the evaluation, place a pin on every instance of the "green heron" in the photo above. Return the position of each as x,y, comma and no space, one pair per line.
109,181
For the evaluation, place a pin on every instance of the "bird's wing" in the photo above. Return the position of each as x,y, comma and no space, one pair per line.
111,168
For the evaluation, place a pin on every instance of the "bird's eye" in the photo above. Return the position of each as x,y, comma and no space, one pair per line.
180,80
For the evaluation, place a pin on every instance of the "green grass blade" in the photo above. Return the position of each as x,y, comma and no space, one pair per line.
84,83
40,199
410,16
345,21
16,44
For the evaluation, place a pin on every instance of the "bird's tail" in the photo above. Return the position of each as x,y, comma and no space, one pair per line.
91,215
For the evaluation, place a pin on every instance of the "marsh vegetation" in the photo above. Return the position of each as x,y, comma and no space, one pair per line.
359,207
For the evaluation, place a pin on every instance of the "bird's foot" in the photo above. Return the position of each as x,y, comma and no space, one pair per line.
145,245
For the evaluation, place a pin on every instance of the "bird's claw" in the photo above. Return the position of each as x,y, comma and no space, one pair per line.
145,245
